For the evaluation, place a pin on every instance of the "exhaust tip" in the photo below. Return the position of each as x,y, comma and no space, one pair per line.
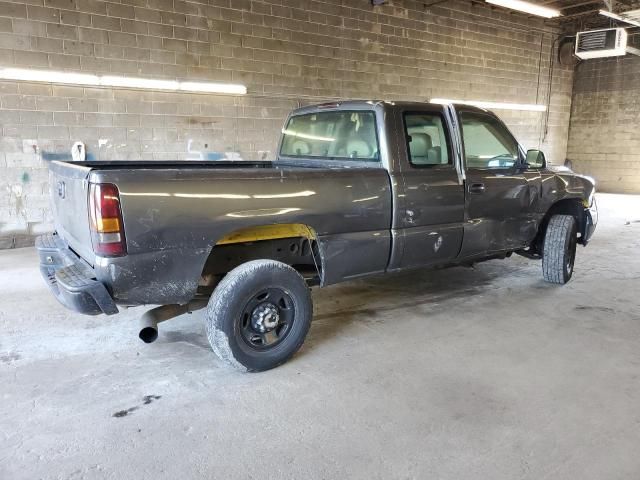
148,334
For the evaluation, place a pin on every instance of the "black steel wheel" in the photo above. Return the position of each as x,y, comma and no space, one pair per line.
267,318
259,315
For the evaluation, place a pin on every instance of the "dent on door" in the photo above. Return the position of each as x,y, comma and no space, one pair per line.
504,215
500,197
433,195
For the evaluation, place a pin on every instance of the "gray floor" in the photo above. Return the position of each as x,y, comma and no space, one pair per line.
487,374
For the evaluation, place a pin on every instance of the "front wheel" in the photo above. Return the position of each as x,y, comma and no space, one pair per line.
259,315
559,249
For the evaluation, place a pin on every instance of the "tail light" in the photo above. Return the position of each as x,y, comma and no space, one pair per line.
107,227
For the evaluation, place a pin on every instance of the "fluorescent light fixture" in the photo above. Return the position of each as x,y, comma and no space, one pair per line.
526,7
48,76
619,18
493,105
72,78
134,82
208,87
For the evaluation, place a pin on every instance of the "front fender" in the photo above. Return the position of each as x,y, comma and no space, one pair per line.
568,193
567,184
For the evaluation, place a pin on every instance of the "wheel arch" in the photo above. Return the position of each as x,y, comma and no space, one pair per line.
295,244
567,206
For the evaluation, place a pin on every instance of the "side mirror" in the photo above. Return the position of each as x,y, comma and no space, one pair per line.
535,159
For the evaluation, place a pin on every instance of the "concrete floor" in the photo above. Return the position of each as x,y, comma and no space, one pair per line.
458,374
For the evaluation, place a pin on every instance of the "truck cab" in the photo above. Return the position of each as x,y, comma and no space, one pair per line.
462,188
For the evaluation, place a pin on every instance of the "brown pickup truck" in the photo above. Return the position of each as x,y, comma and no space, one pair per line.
358,188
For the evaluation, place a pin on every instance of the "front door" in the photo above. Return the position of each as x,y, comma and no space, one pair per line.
498,194
432,226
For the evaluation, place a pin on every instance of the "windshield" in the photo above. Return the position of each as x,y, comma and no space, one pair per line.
335,135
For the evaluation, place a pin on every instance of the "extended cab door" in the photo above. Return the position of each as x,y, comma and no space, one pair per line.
499,197
432,213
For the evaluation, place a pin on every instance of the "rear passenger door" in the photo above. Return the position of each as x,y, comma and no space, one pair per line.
433,208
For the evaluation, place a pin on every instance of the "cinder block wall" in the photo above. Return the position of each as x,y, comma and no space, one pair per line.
604,139
287,52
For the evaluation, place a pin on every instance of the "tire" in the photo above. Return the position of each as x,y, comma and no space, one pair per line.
559,249
259,315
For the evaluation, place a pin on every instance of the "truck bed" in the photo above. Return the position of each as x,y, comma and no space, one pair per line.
118,164
174,213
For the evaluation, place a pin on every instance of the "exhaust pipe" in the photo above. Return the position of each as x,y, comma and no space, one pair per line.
150,320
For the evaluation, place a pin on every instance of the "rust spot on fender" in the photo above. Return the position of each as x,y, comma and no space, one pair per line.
268,232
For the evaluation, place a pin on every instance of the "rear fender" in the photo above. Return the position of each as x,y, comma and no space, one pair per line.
294,244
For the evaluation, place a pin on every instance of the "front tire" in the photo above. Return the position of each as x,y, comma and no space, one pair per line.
559,249
259,315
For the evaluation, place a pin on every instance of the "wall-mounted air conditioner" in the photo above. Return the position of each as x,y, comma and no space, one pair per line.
608,42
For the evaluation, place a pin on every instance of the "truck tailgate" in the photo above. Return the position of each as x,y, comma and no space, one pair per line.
69,202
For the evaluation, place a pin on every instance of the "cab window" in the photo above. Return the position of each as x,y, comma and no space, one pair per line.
336,135
487,143
427,144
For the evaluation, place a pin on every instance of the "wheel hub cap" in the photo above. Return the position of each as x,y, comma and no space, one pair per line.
265,317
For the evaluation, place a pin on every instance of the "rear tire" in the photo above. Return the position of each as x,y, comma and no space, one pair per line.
559,249
259,315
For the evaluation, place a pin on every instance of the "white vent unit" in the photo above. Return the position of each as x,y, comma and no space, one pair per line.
609,42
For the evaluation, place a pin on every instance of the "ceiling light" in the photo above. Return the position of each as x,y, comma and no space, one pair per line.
208,87
72,78
619,18
526,7
135,82
48,76
493,105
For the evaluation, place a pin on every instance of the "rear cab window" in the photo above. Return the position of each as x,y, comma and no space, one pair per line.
334,135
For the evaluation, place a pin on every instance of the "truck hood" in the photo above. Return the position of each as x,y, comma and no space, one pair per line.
559,169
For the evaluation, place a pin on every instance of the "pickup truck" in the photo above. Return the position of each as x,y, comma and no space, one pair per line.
358,188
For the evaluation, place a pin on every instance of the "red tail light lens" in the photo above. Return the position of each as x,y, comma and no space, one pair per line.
107,227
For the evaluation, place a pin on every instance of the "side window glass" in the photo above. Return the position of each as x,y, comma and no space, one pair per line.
487,143
332,135
427,144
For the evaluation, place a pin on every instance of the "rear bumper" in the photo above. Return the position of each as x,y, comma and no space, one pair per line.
71,280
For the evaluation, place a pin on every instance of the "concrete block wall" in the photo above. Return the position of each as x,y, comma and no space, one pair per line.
604,139
287,52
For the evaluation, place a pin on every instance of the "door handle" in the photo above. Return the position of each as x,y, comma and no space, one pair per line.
476,188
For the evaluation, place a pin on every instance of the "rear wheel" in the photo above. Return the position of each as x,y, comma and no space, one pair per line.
559,249
259,315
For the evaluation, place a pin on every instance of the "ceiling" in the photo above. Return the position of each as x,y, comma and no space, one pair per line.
582,14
